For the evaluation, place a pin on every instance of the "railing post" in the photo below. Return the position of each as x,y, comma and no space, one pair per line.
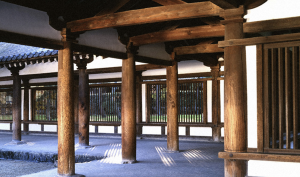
139,102
216,131
26,105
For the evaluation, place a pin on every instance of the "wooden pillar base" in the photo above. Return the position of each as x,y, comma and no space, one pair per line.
235,168
16,142
129,161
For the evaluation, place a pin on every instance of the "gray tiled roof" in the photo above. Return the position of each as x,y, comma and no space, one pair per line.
9,52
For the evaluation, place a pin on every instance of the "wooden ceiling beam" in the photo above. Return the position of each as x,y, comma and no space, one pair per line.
197,49
147,15
206,31
225,4
169,2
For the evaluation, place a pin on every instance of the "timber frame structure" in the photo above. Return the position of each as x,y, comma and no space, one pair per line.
190,30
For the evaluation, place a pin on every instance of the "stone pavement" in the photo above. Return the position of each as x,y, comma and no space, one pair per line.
196,158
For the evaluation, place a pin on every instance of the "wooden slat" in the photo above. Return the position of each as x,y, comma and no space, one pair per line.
207,48
295,88
260,40
272,25
259,156
288,97
281,105
274,102
260,100
267,103
148,15
179,34
205,102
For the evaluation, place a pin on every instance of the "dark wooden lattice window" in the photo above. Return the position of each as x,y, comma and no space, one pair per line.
44,104
105,103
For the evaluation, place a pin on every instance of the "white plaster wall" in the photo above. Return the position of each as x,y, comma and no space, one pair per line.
105,129
34,127
50,128
4,126
27,21
200,131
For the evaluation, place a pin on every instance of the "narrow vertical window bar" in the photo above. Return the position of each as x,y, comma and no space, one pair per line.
274,97
204,103
266,81
288,96
295,96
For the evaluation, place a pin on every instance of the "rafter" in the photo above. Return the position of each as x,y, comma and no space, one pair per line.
169,2
147,15
179,34
197,49
112,7
225,4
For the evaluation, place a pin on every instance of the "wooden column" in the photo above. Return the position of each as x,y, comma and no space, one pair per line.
139,101
172,107
83,100
216,131
26,105
128,107
76,117
65,108
16,103
235,123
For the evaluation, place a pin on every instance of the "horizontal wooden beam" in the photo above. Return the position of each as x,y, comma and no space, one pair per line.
118,55
206,31
119,69
147,15
196,49
259,156
260,40
22,39
97,51
272,25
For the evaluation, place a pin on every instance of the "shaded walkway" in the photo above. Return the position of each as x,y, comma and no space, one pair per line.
195,158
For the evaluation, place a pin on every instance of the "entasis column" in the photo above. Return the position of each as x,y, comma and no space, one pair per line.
235,99
128,107
172,107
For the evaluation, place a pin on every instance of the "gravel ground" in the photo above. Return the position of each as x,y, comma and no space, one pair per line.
12,168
